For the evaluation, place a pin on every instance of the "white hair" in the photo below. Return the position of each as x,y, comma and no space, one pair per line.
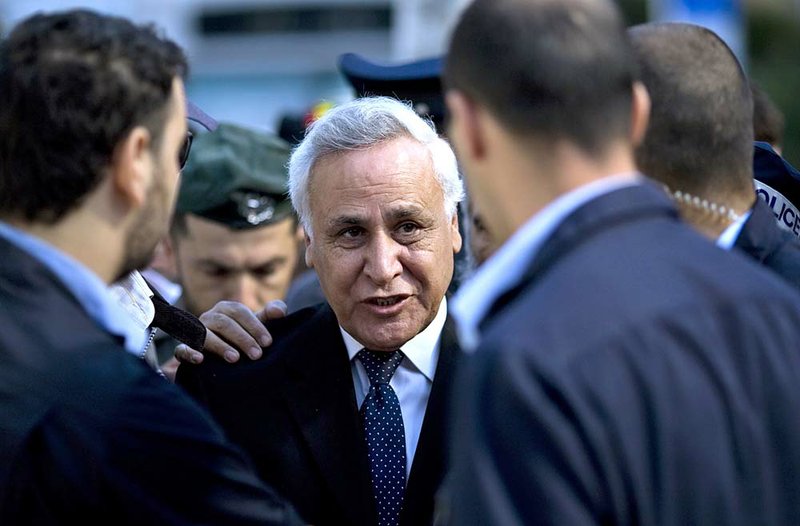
362,123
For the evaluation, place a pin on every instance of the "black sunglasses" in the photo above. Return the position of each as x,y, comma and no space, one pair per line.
186,147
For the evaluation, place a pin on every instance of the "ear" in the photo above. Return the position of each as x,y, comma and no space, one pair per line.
640,113
309,256
300,233
465,129
132,166
456,234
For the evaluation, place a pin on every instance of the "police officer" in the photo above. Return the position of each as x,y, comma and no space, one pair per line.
234,233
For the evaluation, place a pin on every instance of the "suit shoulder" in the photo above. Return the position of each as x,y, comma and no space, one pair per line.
287,333
296,322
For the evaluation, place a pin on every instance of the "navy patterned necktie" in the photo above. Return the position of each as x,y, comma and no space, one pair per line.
385,434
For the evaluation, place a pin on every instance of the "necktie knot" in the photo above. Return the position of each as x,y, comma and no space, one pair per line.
380,365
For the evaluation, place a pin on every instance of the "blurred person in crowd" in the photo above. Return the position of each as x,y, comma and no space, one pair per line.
624,370
345,414
234,234
769,123
778,185
418,82
92,109
699,141
292,126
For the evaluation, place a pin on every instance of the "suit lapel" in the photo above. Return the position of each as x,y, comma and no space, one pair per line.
605,212
321,397
760,234
430,459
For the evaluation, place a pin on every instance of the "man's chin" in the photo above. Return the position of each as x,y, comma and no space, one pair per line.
388,336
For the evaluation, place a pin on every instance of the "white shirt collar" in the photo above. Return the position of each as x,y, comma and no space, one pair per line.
507,265
731,233
420,350
87,288
134,296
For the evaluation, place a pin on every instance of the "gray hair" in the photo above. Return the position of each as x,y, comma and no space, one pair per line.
362,123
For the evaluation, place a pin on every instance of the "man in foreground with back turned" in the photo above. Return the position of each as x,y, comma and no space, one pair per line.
625,370
93,120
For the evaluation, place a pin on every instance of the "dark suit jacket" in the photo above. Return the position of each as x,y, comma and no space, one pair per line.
90,432
637,375
763,239
294,411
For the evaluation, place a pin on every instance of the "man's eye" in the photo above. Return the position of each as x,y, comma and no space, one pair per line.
408,228
351,233
265,271
217,272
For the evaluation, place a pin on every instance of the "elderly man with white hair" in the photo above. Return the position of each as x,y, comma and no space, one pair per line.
345,414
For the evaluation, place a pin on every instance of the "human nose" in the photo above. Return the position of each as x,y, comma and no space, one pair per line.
244,289
383,260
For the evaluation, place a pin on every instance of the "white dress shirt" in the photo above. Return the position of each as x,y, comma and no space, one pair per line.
729,236
507,265
135,296
169,290
412,381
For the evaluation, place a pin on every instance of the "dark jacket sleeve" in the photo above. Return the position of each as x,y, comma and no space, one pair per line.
151,456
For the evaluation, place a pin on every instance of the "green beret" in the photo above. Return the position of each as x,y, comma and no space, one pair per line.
236,176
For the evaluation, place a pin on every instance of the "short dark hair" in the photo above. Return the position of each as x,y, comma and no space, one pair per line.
553,69
72,85
768,120
700,136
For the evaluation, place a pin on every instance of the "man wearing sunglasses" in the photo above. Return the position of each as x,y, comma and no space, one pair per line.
94,133
142,298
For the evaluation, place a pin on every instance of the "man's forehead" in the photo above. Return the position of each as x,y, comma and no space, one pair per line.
378,159
390,184
238,260
374,183
244,247
376,212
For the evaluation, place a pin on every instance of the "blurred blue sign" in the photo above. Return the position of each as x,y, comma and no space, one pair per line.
724,17
710,5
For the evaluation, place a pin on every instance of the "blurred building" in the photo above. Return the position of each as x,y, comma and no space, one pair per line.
255,61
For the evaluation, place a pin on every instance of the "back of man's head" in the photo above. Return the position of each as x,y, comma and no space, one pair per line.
700,136
72,85
550,69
